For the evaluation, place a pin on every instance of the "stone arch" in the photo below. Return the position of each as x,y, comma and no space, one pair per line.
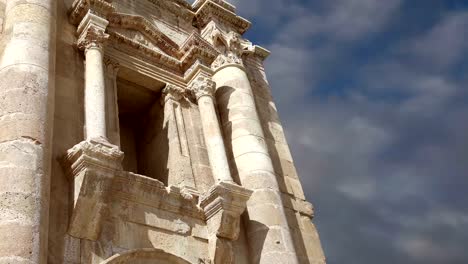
145,255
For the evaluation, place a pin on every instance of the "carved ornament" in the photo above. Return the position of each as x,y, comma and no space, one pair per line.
81,7
172,92
202,86
91,166
174,58
231,46
211,11
223,204
92,32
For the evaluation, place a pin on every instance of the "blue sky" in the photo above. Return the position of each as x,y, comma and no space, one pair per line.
373,96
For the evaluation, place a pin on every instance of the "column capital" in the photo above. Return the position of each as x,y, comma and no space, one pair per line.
92,32
172,92
233,47
202,86
112,67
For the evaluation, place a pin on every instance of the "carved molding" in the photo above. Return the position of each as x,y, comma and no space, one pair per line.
174,58
211,11
222,3
91,166
231,46
223,204
142,25
180,9
172,92
81,7
202,86
92,32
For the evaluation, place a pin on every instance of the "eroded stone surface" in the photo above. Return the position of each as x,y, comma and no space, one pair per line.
142,131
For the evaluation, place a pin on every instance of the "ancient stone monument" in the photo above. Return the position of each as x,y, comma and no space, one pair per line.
142,131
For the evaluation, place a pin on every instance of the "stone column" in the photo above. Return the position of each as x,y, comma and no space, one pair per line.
269,237
204,88
27,72
92,38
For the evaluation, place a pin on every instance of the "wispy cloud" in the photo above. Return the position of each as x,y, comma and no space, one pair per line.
382,153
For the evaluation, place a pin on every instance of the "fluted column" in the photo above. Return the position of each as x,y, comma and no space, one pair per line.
27,76
269,237
204,89
92,38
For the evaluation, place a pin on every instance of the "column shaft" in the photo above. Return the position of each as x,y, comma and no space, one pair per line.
214,139
27,95
95,93
269,237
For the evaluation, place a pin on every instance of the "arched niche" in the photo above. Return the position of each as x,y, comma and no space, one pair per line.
145,256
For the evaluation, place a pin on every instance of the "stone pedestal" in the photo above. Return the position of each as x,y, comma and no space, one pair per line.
92,166
223,205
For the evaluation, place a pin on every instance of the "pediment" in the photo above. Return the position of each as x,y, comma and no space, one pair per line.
142,31
138,37
139,34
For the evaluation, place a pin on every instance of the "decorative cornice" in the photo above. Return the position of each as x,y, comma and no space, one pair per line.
178,7
173,57
202,86
196,5
151,192
142,25
210,10
81,7
125,44
223,204
92,153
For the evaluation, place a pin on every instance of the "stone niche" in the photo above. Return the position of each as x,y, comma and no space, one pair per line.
143,134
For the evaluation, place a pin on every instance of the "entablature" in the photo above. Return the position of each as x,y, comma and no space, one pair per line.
139,36
209,11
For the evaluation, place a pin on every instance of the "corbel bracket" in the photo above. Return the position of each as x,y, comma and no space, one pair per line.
91,166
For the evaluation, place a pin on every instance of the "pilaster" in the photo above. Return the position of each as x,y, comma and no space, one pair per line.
179,165
112,109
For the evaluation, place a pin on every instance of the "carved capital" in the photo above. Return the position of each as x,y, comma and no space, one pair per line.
172,92
231,47
226,59
202,86
112,66
92,32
